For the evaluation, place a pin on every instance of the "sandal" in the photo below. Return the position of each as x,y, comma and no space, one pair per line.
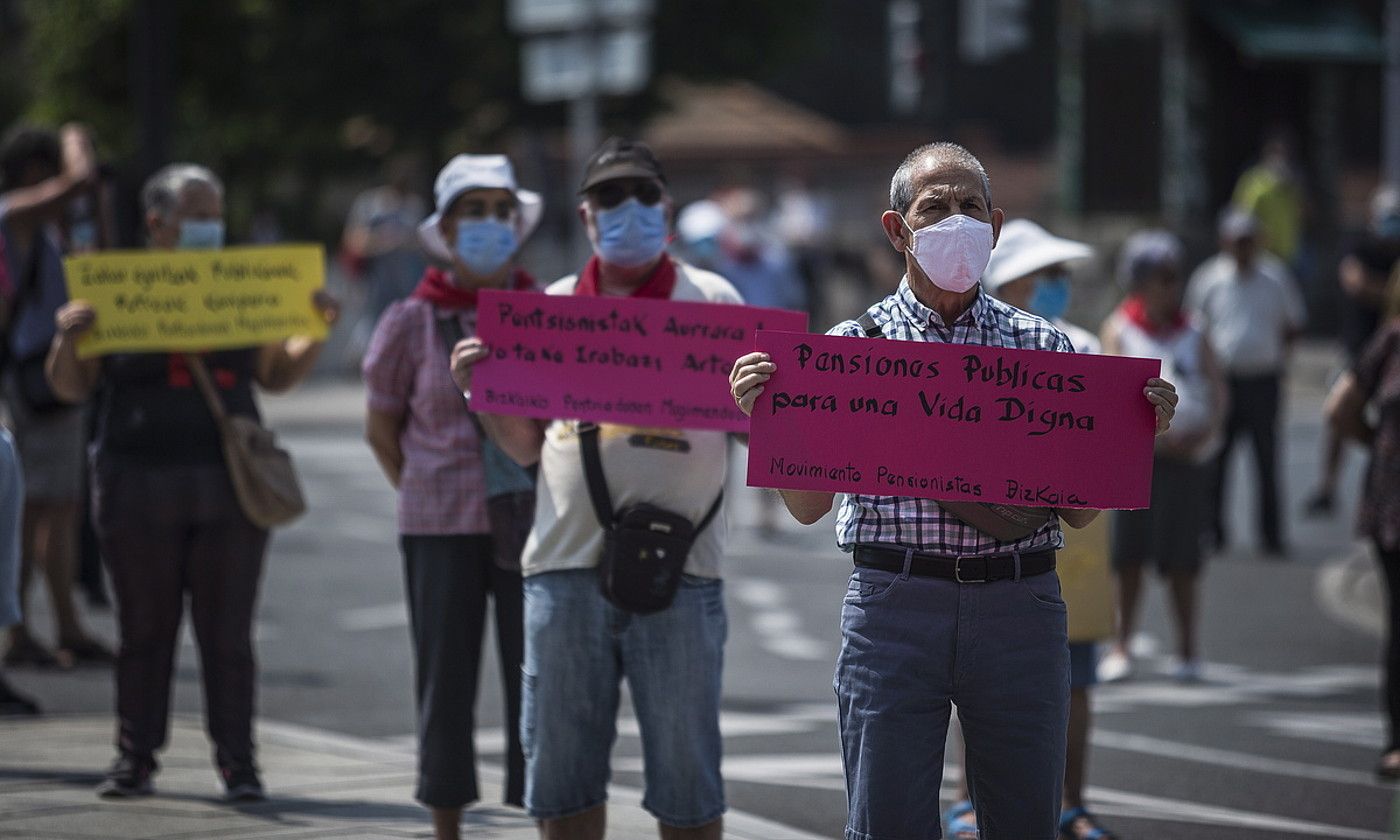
958,827
1092,831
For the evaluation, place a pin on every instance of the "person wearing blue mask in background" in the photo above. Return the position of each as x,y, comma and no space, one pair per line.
168,523
453,483
579,645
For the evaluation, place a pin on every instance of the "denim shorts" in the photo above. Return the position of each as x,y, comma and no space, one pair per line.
578,648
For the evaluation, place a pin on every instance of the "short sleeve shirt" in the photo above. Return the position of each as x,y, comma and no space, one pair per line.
922,524
442,488
681,470
1246,315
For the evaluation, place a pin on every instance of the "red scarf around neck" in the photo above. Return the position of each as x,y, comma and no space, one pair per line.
659,284
437,288
1136,310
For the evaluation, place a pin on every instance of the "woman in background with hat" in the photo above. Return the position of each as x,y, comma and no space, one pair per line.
453,484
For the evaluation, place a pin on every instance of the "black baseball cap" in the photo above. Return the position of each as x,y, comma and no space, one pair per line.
619,158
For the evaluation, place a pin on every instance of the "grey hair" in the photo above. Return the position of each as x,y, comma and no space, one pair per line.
902,184
1145,252
162,190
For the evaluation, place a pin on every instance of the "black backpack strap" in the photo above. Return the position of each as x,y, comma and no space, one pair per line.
867,323
593,474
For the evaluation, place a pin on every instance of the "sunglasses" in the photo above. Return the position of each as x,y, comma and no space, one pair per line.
609,194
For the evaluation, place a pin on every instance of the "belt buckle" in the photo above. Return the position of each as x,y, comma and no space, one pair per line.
957,568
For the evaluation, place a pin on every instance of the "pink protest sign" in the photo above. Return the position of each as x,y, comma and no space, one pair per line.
642,362
953,421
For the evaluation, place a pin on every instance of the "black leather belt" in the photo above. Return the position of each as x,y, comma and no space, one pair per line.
965,569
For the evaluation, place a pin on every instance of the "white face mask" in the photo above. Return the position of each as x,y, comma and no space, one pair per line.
953,252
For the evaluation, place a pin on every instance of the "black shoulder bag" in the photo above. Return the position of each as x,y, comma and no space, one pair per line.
644,546
510,511
1007,523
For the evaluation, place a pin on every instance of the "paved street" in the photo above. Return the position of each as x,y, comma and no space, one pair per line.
1277,742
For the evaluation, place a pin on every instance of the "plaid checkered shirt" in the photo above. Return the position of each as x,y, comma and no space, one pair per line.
920,523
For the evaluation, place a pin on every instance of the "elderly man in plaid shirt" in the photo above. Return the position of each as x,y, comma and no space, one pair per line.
917,633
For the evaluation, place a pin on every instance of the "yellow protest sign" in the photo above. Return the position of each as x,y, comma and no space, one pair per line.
154,301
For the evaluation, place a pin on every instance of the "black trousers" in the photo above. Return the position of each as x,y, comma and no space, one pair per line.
1254,411
448,579
166,533
1390,684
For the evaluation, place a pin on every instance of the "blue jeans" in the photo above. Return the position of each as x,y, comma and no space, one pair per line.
913,645
578,647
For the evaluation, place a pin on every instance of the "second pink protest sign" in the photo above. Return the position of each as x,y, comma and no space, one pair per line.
953,421
636,361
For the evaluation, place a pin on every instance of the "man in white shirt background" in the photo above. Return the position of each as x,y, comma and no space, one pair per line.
1250,309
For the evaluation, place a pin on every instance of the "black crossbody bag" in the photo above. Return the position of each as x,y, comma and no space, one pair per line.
644,546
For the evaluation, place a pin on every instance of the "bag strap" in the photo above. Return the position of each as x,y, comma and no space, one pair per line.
206,387
598,484
867,323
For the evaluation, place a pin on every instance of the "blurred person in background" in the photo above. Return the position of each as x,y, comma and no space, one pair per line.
1250,310
12,702
802,221
1029,270
168,523
1364,405
1150,323
41,175
380,243
1272,192
450,478
758,265
1362,274
698,227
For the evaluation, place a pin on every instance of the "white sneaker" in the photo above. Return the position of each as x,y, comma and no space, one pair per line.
1189,671
1115,666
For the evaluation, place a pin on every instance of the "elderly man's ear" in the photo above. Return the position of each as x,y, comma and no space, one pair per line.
998,216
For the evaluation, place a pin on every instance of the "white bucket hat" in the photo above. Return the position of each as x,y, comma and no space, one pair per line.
476,172
1025,247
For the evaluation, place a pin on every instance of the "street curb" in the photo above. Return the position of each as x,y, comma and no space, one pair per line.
1349,591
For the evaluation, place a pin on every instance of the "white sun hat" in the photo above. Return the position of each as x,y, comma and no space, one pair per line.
476,172
1025,247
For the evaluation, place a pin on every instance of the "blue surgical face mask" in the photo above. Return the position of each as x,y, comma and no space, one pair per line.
202,233
485,245
631,233
1389,227
1050,300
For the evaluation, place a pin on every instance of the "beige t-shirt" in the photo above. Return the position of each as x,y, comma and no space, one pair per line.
681,470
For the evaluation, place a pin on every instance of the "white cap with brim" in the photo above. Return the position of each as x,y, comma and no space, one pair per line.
1025,247
476,172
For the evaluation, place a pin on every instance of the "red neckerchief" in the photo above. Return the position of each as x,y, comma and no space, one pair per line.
1136,310
437,288
659,284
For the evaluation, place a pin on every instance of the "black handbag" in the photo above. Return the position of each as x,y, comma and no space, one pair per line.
644,546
